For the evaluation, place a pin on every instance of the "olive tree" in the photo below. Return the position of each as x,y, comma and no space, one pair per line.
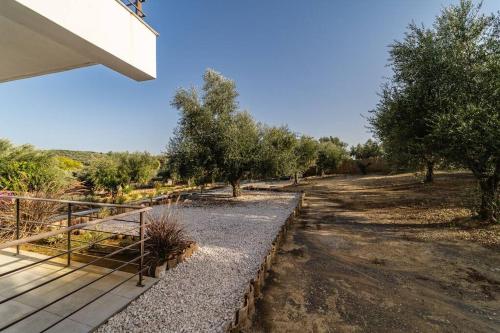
277,152
306,153
242,155
140,167
106,173
330,155
213,138
415,95
335,140
443,101
469,129
182,160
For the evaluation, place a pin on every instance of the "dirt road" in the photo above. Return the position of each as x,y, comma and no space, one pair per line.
383,254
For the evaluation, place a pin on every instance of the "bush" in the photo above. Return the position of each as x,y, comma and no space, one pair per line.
165,235
32,214
115,173
26,169
374,165
330,156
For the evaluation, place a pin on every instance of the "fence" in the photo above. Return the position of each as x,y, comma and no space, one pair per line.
26,221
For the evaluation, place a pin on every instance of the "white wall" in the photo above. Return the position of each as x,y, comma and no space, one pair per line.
103,31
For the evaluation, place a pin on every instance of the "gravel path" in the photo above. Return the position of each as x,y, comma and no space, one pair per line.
202,294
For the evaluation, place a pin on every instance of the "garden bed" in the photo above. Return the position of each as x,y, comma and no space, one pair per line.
202,295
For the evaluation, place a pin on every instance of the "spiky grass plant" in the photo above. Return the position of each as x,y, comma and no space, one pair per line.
165,234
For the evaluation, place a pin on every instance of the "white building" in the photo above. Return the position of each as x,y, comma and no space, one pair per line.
46,36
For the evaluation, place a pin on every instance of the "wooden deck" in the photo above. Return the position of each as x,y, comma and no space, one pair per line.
86,319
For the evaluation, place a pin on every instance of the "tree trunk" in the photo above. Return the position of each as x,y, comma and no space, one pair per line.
489,198
236,188
113,196
363,167
429,174
296,178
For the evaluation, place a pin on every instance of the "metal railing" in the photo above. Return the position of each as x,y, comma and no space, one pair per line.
87,221
135,6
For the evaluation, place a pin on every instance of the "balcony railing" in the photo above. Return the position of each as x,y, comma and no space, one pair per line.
135,6
65,219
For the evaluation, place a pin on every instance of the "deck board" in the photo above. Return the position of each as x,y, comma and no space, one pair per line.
86,319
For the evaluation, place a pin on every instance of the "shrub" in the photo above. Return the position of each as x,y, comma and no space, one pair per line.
33,213
165,235
93,237
26,169
330,156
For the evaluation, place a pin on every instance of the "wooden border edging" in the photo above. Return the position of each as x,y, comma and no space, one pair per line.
161,270
243,316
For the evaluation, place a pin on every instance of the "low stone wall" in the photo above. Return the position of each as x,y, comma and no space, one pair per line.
243,316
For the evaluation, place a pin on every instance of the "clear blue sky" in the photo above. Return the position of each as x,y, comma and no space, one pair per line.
315,65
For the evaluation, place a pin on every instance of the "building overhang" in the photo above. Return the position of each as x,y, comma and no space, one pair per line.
45,36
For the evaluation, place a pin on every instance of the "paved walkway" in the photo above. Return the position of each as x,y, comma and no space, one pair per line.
84,320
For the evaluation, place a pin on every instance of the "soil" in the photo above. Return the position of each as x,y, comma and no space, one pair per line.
385,254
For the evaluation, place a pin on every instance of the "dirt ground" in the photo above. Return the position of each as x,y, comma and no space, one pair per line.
385,254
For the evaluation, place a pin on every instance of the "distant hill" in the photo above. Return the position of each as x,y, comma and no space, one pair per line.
81,156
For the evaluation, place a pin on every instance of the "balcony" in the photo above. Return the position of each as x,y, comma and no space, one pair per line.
38,37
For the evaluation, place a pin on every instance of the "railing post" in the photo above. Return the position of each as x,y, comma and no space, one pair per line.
69,234
141,260
138,8
18,220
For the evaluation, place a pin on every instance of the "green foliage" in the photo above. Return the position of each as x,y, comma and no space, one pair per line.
26,169
365,153
443,100
93,237
114,172
140,167
165,171
84,157
469,129
213,138
330,155
243,152
68,164
106,173
367,150
402,117
333,139
306,153
277,152
182,159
